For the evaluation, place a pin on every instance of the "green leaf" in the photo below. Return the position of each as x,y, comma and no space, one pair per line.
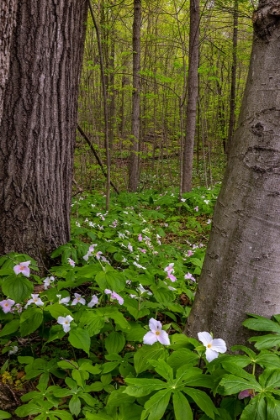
256,410
119,397
93,322
80,339
141,387
146,353
163,369
4,415
270,378
30,321
233,384
182,357
98,416
269,360
63,415
115,342
202,400
155,407
57,310
273,408
181,407
10,328
75,405
266,341
28,410
17,288
259,323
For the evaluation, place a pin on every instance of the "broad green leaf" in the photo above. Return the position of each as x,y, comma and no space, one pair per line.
98,416
4,415
109,366
75,405
181,407
182,357
88,399
68,364
27,410
162,295
141,387
233,384
163,369
146,353
155,407
63,415
273,408
80,339
228,365
256,410
115,342
119,397
10,328
202,400
136,333
193,377
30,321
17,288
259,323
270,378
268,360
57,310
266,341
93,322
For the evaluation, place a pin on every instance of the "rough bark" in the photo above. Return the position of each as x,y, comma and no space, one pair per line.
192,96
37,132
241,271
8,10
135,126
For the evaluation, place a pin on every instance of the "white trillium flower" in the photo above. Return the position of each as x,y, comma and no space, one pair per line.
35,299
13,350
65,322
22,268
214,346
78,299
64,301
93,302
156,333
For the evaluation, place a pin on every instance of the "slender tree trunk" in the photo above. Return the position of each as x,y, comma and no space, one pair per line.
135,131
233,76
37,132
192,96
8,10
241,271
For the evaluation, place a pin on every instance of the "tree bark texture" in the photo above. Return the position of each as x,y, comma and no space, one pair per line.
192,96
37,132
135,124
241,273
8,10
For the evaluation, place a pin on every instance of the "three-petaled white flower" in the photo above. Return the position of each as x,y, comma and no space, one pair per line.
64,300
71,262
35,299
65,322
78,299
156,333
93,302
214,346
22,268
6,305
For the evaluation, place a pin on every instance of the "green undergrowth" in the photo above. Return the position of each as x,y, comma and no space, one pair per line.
81,343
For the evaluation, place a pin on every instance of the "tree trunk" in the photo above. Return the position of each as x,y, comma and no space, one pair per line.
233,76
186,181
241,271
37,133
8,10
135,131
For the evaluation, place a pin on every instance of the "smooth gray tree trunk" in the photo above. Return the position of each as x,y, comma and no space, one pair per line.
241,273
37,132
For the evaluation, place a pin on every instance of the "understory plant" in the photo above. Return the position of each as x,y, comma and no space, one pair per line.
101,337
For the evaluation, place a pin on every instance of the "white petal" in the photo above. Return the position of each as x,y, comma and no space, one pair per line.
211,354
150,338
163,338
219,345
155,325
205,338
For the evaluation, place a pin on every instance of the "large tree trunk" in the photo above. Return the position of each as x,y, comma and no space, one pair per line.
187,164
135,129
8,10
37,132
241,273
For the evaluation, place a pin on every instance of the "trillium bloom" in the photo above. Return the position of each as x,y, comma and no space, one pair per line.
214,346
78,299
47,282
93,302
183,199
130,247
156,333
170,268
189,253
189,276
71,262
64,301
114,295
23,268
35,299
171,277
65,322
196,208
13,350
140,237
6,305
138,265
